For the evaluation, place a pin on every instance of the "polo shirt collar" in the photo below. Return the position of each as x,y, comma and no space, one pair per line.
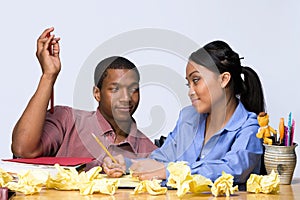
103,123
132,138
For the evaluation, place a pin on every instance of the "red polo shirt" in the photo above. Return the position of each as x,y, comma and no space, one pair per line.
67,133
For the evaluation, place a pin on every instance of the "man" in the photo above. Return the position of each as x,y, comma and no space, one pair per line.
67,132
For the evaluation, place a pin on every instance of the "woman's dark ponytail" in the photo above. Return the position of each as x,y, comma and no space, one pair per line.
253,97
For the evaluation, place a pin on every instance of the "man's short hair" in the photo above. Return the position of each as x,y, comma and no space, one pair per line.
113,62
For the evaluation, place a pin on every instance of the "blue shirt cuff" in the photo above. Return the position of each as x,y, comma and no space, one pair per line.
128,163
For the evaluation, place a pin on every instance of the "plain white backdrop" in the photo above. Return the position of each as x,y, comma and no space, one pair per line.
265,33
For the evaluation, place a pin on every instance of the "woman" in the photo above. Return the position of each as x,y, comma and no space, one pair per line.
218,132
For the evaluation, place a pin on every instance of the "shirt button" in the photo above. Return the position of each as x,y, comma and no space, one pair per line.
202,156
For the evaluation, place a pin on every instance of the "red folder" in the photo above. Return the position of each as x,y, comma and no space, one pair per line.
63,161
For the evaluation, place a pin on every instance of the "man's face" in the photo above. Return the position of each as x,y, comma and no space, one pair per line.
119,95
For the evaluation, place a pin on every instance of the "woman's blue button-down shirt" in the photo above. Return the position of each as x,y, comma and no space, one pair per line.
235,149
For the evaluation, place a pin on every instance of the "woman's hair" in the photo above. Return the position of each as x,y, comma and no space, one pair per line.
219,57
113,62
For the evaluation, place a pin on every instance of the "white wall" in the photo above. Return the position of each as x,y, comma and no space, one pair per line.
265,33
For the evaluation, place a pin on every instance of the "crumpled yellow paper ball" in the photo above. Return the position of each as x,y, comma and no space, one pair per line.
4,178
29,182
179,172
200,184
32,181
103,186
91,182
224,185
180,177
263,184
153,187
65,179
86,182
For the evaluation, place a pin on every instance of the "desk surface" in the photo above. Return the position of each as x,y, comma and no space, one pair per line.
287,192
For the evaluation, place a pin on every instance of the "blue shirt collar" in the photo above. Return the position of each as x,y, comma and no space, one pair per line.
236,121
238,118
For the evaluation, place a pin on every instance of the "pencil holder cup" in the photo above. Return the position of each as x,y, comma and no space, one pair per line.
281,159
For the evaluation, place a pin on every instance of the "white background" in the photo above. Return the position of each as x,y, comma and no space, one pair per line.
266,33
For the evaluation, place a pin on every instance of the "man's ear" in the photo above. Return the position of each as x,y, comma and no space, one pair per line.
224,79
96,92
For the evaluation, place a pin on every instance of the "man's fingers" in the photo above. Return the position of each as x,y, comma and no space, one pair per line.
44,36
110,164
107,162
56,47
115,173
117,166
46,32
44,45
120,159
40,45
55,41
47,45
49,42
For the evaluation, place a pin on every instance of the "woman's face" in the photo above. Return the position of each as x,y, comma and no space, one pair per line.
205,89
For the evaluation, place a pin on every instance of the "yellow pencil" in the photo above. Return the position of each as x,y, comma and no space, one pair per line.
104,148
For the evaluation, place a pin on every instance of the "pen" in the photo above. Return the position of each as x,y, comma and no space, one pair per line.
289,129
286,136
281,130
104,148
292,132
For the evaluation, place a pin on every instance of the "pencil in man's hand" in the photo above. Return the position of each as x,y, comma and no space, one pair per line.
104,148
